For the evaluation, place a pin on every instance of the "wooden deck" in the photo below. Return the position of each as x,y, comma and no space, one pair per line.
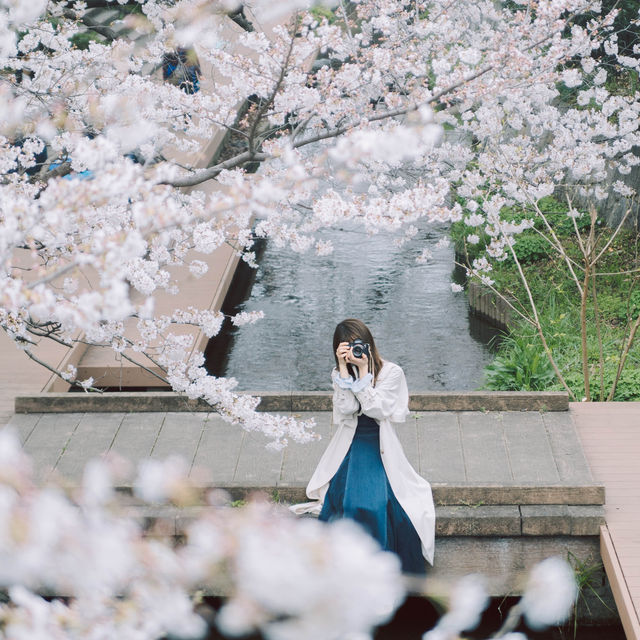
610,434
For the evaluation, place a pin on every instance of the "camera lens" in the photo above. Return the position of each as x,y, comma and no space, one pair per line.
357,351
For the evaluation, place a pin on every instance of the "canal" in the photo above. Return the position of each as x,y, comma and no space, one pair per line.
415,317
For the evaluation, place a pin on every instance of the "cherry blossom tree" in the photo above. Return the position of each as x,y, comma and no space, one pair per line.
100,203
399,105
571,146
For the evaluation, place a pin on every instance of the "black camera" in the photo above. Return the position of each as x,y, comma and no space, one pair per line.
358,348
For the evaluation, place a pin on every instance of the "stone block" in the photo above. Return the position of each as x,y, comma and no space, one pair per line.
545,520
24,424
567,448
300,459
218,450
478,521
438,432
486,459
586,520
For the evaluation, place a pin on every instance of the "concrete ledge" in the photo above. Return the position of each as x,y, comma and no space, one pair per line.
494,521
157,401
490,401
538,518
535,494
464,495
119,402
478,521
584,497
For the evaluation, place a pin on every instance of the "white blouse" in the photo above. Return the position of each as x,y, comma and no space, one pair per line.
388,404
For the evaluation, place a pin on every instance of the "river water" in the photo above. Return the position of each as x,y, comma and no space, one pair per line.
416,319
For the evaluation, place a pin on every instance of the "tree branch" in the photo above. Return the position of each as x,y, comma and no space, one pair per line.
44,364
262,109
92,24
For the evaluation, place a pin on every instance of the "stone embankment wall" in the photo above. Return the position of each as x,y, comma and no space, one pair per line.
485,304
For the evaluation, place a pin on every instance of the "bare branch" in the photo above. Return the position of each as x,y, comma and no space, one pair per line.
147,369
52,276
613,236
92,24
504,298
537,322
262,109
74,383
558,244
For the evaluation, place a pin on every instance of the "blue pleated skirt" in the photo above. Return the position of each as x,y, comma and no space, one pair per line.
360,490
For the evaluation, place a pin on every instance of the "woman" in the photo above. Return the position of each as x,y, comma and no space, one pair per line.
364,474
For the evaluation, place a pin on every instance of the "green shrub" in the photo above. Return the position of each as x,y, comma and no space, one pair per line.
521,365
627,389
530,247
319,13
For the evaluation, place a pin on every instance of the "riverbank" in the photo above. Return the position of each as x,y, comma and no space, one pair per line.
611,306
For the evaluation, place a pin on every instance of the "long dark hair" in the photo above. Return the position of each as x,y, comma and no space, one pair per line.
349,330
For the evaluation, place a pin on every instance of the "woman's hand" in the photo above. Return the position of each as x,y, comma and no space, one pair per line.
343,352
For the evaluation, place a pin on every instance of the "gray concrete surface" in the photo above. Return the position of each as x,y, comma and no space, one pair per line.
492,472
510,487
502,448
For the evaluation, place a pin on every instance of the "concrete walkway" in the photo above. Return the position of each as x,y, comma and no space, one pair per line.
511,487
475,459
509,448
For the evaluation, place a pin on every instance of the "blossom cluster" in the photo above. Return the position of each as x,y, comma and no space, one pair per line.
287,577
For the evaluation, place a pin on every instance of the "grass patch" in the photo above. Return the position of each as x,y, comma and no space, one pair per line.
521,363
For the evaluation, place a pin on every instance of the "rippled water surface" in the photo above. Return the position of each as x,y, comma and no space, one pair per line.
415,318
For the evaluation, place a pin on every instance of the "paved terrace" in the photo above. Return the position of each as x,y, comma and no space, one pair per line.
511,486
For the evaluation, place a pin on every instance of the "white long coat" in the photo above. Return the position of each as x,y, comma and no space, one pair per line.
388,404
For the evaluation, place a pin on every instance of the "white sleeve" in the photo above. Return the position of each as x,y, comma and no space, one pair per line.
345,404
388,399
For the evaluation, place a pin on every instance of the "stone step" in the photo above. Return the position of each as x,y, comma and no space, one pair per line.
466,495
484,521
295,401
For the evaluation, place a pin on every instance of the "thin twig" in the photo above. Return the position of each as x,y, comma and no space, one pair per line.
596,312
74,383
147,369
615,233
511,621
536,322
